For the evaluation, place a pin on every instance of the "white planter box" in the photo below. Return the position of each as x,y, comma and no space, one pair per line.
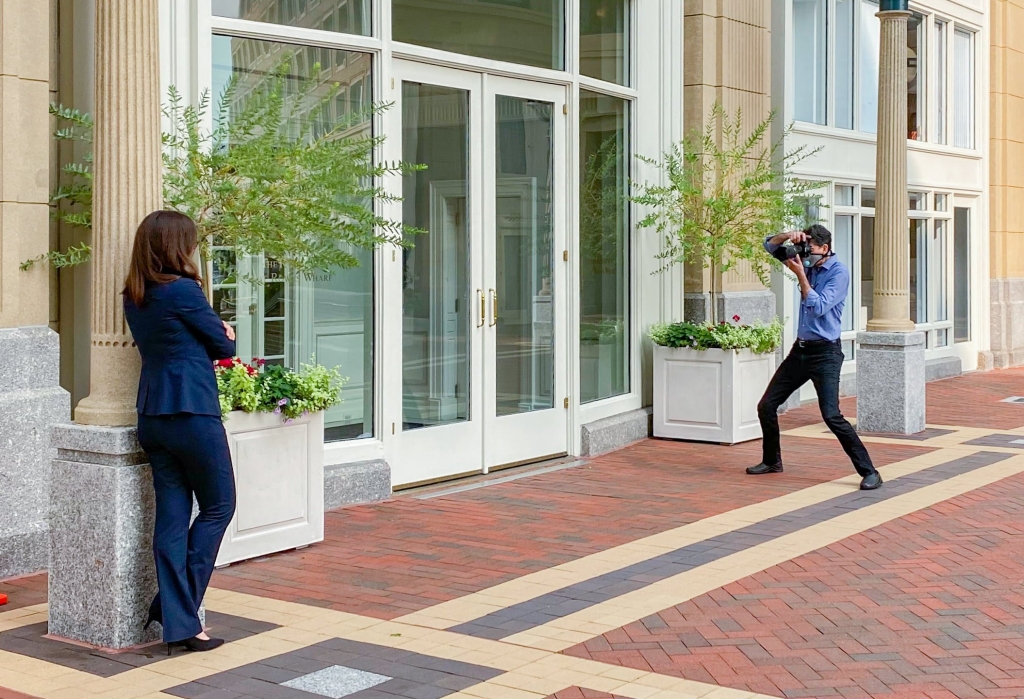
709,395
279,484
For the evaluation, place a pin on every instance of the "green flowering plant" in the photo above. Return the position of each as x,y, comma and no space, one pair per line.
760,338
259,388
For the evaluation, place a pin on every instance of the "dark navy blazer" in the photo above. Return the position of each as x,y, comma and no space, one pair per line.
179,337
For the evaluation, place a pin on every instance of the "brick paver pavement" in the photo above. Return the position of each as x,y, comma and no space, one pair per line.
929,603
913,591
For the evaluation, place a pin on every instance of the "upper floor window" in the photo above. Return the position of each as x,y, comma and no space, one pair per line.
835,71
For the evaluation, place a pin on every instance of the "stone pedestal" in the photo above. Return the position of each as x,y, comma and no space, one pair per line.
102,577
890,382
31,400
750,306
1007,331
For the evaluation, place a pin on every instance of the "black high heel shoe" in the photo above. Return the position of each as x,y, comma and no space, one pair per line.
196,645
149,621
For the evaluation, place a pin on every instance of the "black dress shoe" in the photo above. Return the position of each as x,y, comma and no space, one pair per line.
872,481
764,468
196,645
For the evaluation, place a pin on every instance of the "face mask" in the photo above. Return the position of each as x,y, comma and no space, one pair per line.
813,259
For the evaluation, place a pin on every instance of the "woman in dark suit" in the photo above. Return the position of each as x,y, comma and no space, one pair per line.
179,337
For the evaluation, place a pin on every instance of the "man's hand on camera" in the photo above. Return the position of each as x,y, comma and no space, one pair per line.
795,265
797,236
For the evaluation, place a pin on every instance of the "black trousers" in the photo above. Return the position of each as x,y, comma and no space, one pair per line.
189,455
821,364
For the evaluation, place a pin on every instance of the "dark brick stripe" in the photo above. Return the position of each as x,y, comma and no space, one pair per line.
1009,441
568,600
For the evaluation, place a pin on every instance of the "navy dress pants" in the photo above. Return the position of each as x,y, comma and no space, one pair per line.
189,455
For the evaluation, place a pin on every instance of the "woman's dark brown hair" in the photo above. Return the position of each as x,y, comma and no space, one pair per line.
164,245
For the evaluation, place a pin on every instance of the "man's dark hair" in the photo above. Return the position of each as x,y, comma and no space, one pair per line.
819,234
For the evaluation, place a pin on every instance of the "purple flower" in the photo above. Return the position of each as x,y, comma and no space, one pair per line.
283,401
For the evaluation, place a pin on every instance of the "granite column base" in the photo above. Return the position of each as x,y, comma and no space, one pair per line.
102,577
31,401
891,382
750,306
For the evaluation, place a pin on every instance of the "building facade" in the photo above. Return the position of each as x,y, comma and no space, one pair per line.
513,331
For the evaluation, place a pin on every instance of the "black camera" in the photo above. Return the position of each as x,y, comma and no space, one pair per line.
792,249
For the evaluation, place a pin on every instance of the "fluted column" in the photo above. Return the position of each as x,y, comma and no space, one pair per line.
892,243
890,360
126,187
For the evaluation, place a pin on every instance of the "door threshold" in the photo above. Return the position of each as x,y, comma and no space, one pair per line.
481,480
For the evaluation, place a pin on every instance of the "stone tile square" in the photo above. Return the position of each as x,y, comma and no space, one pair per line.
343,668
336,681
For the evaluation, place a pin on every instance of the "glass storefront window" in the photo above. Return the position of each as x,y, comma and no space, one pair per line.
527,32
917,201
435,273
810,35
918,271
288,319
842,239
604,246
961,275
347,16
604,40
867,262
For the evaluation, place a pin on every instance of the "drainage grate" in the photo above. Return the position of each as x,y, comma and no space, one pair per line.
1014,399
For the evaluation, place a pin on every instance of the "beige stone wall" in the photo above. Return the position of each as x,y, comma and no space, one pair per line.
1007,183
727,59
1007,163
24,160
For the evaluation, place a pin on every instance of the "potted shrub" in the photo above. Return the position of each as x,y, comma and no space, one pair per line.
274,418
709,377
722,192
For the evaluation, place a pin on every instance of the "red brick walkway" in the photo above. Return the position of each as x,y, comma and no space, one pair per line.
928,605
403,555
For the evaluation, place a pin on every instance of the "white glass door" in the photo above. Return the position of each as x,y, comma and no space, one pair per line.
525,273
483,376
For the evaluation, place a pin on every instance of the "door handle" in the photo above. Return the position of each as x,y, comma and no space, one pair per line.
494,308
483,309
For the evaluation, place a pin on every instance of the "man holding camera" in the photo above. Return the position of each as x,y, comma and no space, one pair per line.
817,355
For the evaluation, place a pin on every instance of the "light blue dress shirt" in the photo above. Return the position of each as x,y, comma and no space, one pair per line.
821,313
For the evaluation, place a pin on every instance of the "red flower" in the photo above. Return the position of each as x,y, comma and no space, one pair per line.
225,363
735,319
258,362
251,370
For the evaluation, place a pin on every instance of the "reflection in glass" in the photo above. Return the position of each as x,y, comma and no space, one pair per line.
604,40
348,16
870,36
524,353
915,77
961,275
842,239
527,32
918,271
809,34
327,317
844,63
604,247
867,197
867,262
917,201
436,300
